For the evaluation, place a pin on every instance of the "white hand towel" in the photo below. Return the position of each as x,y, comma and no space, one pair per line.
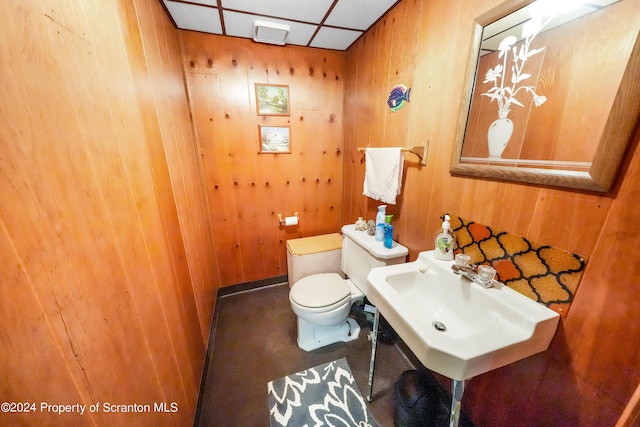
383,173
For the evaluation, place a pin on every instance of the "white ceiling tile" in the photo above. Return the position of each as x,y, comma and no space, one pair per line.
193,17
213,3
300,10
241,25
358,14
334,38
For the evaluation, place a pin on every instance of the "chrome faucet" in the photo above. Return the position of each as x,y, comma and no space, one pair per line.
471,274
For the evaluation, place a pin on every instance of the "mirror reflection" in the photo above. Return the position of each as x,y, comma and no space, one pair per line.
545,86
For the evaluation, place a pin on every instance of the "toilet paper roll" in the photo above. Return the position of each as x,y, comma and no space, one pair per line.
290,220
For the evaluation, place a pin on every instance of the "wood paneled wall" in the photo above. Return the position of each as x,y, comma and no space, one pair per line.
107,233
592,367
108,273
246,190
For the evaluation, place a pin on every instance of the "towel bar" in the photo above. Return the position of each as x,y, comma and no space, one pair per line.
418,150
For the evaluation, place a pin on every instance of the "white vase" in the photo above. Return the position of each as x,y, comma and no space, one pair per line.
499,134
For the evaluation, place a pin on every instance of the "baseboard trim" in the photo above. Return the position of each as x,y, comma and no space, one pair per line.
250,286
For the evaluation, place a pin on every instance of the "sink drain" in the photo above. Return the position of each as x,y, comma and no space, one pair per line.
439,326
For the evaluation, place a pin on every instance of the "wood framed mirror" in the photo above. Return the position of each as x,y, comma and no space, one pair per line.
569,83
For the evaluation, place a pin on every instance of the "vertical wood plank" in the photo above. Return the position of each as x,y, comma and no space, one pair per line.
247,189
96,209
570,383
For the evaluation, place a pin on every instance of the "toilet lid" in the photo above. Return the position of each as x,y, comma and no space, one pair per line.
320,290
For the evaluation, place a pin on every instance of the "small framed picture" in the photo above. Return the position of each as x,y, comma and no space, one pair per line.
274,139
272,100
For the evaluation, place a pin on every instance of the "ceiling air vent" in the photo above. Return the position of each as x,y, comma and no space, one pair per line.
270,32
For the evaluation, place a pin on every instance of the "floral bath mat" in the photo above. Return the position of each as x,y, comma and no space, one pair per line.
326,395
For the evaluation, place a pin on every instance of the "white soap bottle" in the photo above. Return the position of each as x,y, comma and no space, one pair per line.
445,241
380,220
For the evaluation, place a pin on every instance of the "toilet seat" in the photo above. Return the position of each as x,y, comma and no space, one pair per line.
320,292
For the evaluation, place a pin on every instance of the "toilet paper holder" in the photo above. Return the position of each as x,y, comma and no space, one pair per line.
283,221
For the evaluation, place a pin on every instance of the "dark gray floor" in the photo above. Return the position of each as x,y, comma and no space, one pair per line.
254,342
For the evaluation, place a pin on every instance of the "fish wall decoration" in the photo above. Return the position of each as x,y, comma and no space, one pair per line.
398,97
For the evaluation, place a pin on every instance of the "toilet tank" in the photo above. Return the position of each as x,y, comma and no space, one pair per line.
361,253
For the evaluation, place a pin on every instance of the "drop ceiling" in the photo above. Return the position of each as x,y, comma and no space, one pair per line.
326,24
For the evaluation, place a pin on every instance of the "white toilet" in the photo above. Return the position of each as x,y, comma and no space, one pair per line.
322,301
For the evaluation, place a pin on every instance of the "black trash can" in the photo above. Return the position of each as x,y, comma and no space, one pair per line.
417,401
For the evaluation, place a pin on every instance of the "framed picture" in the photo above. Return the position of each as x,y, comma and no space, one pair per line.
274,139
272,100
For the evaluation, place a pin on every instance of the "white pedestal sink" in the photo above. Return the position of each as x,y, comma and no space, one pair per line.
456,327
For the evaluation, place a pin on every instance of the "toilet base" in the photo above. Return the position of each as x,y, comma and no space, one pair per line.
312,336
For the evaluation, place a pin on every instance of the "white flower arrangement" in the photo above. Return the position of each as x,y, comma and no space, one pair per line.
506,95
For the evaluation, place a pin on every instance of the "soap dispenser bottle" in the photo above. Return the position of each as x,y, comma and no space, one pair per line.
388,232
445,241
380,218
